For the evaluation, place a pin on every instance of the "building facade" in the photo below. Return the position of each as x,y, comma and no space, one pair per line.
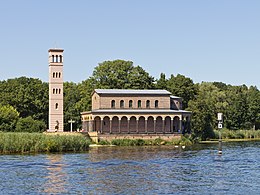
55,90
119,111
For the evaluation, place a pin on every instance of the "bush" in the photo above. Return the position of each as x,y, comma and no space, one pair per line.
28,124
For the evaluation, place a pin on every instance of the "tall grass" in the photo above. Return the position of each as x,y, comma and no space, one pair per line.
39,142
153,142
238,134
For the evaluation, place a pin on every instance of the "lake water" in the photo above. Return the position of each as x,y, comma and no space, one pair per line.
136,170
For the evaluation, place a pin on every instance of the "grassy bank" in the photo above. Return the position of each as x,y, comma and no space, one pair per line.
238,134
184,141
39,142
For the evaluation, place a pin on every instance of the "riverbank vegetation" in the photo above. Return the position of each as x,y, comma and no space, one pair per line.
237,134
24,101
11,142
184,141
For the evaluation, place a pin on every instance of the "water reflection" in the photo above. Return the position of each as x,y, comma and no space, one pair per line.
56,177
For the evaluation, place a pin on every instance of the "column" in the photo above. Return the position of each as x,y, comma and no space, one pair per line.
110,126
128,126
154,125
119,125
101,126
180,125
137,130
145,125
171,128
163,125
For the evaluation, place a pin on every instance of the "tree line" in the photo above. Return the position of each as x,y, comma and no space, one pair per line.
24,101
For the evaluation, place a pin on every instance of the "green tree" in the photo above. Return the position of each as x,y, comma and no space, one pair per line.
183,87
28,96
28,124
71,111
8,118
120,74
162,82
209,101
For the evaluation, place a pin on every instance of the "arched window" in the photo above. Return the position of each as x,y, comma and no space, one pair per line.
56,106
147,103
60,58
53,75
57,59
139,103
56,75
53,91
130,103
52,58
156,104
59,74
113,104
122,104
59,91
56,91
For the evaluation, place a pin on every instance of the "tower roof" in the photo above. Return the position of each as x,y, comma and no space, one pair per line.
56,50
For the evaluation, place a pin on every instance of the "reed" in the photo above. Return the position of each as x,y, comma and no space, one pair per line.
238,134
38,142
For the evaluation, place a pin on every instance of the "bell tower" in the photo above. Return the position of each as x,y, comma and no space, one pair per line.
55,90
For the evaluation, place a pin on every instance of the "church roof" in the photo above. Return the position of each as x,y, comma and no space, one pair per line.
132,91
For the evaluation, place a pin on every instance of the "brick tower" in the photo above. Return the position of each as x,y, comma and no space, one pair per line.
55,90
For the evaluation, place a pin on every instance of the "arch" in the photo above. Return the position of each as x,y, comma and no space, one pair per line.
124,125
52,58
53,75
57,59
176,124
122,104
132,125
59,74
53,91
130,103
106,125
115,125
59,91
141,125
97,124
56,75
60,58
167,126
139,103
159,125
113,104
147,103
56,106
56,91
156,104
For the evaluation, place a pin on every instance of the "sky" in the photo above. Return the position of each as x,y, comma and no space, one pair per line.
204,40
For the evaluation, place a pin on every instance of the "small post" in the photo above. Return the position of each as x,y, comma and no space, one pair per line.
71,122
220,126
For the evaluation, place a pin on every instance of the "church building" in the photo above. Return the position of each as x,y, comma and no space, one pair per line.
135,112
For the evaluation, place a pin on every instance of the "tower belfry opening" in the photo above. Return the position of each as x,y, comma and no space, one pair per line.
56,117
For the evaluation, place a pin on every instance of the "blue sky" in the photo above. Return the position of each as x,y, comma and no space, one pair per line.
205,40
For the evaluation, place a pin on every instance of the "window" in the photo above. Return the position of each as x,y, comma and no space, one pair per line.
147,103
113,104
139,104
56,75
59,91
122,104
60,58
57,59
56,91
59,74
56,106
156,104
130,103
53,75
53,91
